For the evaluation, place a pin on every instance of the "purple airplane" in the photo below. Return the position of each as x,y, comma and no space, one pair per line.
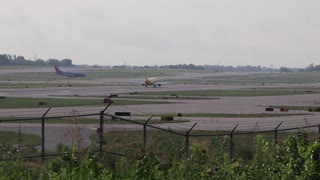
68,74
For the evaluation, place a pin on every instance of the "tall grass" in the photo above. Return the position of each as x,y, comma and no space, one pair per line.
292,158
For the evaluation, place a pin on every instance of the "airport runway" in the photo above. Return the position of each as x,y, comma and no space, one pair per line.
62,133
106,90
55,133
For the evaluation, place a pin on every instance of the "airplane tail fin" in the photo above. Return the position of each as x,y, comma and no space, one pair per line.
145,74
58,71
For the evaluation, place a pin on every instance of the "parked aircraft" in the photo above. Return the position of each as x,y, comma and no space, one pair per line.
151,81
68,74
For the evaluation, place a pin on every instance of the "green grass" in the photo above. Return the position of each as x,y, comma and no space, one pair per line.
258,78
119,121
149,97
52,121
123,139
292,158
14,138
32,76
223,78
295,107
243,145
219,93
13,102
128,141
167,97
43,85
85,121
128,73
223,115
90,74
289,88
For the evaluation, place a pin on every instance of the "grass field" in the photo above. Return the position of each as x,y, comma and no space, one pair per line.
219,93
15,138
43,85
259,78
212,78
124,142
12,102
236,115
295,107
90,74
149,97
85,121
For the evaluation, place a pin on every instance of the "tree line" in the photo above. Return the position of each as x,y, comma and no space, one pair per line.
178,66
312,67
13,60
202,67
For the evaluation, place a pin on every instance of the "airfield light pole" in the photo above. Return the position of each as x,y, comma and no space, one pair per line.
187,139
42,133
276,132
145,133
231,142
101,130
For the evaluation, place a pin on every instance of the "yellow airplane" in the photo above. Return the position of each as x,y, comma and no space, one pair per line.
151,81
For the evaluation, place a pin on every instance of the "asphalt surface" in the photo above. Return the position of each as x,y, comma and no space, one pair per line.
60,133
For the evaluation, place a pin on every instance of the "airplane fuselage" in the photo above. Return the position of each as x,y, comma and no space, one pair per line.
68,74
151,82
71,74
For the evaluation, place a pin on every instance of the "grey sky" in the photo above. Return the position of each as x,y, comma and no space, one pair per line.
149,32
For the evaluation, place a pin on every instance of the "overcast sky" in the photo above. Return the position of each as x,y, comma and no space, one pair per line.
150,32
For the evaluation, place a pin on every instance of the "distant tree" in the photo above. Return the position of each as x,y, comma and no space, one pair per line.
310,67
9,57
285,69
19,61
66,62
317,68
4,59
20,58
181,66
40,62
52,62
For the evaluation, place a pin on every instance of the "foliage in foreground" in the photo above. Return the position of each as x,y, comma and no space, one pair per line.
293,158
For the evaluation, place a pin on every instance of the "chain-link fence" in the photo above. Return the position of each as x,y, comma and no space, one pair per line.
50,134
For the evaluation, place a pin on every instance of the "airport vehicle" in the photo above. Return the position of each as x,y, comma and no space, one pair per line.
68,74
151,81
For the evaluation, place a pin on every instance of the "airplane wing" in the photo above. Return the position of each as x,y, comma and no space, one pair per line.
137,82
143,83
162,83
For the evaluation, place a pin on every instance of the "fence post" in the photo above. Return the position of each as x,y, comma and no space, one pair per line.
276,133
231,142
145,133
42,133
19,138
187,139
101,130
